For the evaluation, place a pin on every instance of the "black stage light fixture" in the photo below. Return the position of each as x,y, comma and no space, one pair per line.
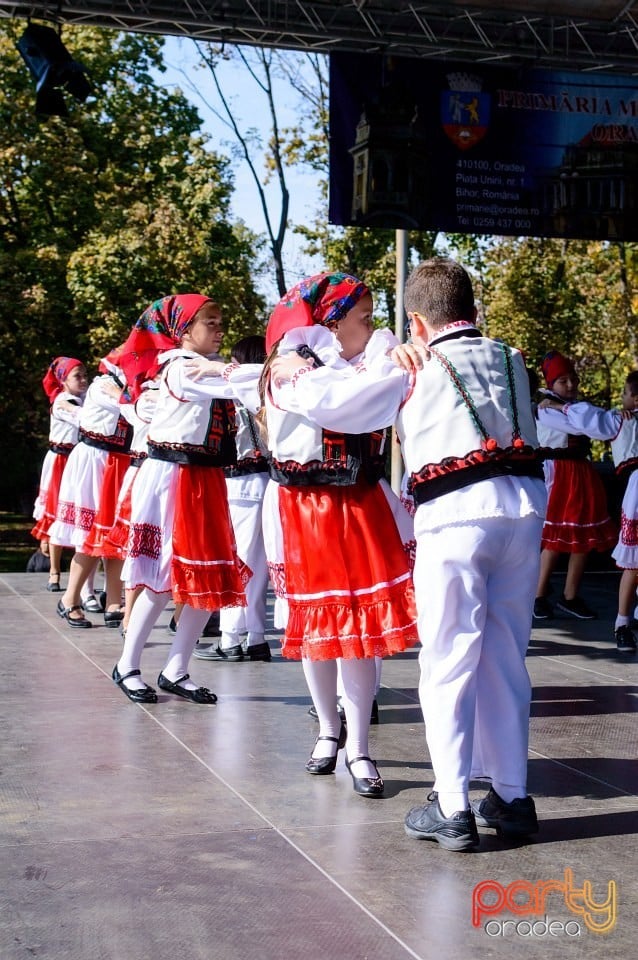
53,69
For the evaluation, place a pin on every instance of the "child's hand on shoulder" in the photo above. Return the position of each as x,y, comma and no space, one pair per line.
410,356
198,367
550,404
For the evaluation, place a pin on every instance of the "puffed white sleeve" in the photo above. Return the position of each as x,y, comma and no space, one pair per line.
244,379
346,400
583,419
66,411
187,388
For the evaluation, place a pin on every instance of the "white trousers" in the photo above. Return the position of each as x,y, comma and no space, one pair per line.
246,517
475,585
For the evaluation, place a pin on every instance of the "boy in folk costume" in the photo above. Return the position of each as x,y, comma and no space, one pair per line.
65,384
578,518
468,439
181,541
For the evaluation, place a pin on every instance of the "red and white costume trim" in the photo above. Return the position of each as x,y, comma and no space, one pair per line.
181,539
577,513
347,575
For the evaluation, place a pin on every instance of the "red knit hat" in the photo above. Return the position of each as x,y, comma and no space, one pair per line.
556,365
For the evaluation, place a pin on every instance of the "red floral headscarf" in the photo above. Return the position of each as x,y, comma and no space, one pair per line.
59,369
324,298
556,365
161,327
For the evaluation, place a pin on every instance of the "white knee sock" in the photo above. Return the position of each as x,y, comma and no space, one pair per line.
359,679
189,627
321,677
144,615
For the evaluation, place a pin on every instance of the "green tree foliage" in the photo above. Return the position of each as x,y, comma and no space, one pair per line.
101,213
572,296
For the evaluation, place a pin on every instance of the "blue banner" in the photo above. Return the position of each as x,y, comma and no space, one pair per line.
467,148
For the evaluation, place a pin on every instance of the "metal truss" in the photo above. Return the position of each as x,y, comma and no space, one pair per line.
590,35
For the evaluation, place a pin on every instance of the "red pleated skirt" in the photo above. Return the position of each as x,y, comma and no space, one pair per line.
347,579
95,545
207,573
41,530
577,518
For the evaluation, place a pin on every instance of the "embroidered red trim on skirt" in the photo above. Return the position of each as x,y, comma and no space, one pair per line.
95,544
206,572
348,586
577,518
41,530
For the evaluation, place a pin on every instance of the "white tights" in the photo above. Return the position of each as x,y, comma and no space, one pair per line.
359,682
146,611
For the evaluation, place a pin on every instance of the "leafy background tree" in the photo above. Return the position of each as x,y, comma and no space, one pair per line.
100,213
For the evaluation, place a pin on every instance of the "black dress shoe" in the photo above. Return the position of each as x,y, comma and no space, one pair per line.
366,786
259,651
319,766
146,695
65,613
53,586
201,695
113,618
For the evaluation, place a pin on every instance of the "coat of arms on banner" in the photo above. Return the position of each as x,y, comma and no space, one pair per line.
465,111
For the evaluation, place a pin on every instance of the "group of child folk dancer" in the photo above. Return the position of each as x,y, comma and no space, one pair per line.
339,550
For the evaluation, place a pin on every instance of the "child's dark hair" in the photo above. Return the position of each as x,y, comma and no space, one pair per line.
632,382
250,349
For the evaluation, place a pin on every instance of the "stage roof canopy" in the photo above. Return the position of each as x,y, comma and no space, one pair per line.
583,35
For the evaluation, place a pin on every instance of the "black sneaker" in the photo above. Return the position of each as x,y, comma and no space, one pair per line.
215,652
576,608
515,819
457,832
625,640
543,609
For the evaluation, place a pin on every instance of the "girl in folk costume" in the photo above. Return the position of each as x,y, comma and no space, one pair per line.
181,541
620,426
577,518
95,545
139,414
102,430
345,569
65,385
246,483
